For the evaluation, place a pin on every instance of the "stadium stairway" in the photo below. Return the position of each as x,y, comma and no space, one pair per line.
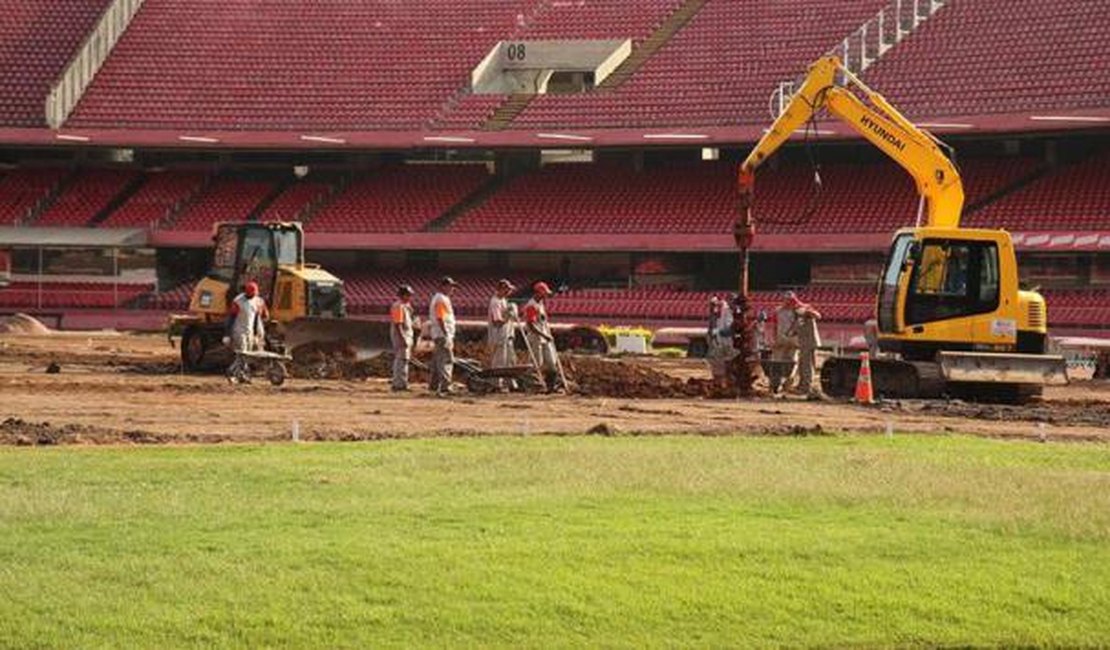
507,112
475,198
503,116
657,40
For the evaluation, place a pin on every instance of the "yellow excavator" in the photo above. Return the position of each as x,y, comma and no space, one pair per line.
306,303
951,317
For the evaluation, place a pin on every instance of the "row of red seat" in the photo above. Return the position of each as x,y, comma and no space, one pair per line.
367,65
54,295
379,65
37,40
977,58
570,198
372,293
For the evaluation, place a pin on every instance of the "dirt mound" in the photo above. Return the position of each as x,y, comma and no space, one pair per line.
340,361
14,431
601,377
22,324
1068,413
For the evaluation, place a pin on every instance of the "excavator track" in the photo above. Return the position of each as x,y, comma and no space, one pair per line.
890,378
897,379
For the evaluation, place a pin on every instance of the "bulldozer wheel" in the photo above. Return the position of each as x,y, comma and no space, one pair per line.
192,349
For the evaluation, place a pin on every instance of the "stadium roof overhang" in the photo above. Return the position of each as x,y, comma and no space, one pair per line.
73,237
688,136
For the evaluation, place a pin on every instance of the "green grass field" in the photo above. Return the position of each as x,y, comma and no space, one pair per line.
557,542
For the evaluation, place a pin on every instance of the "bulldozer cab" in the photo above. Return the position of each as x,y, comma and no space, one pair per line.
247,252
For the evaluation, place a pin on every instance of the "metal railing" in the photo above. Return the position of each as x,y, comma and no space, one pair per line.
867,44
77,76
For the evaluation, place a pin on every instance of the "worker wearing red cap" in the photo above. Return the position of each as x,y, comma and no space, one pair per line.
246,317
540,341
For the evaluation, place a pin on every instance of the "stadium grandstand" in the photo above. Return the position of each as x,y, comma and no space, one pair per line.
583,141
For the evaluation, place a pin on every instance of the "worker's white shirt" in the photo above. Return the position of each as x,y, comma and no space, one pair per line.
247,322
722,325
441,309
784,322
499,311
536,312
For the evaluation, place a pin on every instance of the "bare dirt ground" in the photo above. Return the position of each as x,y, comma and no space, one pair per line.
128,388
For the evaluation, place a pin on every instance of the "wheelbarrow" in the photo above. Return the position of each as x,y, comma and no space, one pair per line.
481,380
272,363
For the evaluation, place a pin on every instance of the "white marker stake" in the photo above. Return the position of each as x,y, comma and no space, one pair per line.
296,431
890,429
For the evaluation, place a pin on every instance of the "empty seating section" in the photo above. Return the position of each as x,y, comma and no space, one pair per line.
288,64
719,69
173,299
1073,197
1085,308
158,195
22,189
64,295
294,199
865,197
225,199
85,197
374,292
840,304
37,40
398,199
974,58
597,19
587,198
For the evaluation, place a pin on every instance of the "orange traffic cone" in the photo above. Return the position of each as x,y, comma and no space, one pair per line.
865,393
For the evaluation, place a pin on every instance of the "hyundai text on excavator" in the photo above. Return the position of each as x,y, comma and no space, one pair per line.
306,303
951,317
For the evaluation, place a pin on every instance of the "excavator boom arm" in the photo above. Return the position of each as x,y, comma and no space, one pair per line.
917,151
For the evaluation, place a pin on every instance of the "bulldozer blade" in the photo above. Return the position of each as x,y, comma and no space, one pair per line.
365,338
1035,369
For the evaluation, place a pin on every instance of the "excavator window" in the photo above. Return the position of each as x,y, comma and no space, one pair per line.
953,278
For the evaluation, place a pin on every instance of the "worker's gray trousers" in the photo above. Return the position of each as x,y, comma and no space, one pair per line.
547,358
443,366
401,357
807,369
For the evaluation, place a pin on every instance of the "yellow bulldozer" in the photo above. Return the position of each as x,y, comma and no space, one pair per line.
306,303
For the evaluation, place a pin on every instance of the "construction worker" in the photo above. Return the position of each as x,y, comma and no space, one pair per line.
785,347
441,316
809,339
245,327
761,333
721,349
401,336
541,344
500,324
